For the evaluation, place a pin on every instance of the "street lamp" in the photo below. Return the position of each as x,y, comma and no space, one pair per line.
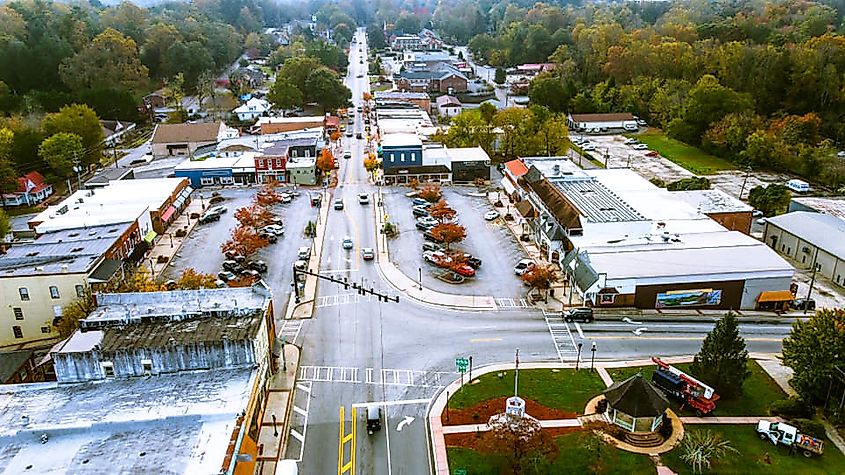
420,280
578,361
593,358
275,429
171,240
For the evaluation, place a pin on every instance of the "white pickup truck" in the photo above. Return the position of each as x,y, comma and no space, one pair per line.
780,433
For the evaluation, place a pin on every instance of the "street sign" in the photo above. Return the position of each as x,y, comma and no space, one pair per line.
462,364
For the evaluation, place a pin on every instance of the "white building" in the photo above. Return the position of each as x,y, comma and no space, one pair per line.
810,238
252,109
448,106
600,122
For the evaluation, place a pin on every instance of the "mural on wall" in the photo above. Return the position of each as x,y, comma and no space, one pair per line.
689,298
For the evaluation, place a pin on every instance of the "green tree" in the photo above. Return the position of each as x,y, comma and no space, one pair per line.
692,183
500,76
375,37
81,120
8,175
547,90
61,151
812,349
771,200
5,227
707,102
407,23
284,95
324,87
109,61
722,361
343,31
296,71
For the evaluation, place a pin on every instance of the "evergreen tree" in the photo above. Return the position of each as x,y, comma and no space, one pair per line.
722,361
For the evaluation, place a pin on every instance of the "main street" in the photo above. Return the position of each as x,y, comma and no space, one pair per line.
357,350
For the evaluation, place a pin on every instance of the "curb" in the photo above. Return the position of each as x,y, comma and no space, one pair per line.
675,318
291,392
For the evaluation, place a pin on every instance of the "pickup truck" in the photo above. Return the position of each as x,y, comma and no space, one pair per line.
780,433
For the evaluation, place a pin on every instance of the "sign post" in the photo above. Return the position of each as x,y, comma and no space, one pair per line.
462,364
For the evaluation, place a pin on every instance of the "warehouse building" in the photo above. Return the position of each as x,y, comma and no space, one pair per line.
810,238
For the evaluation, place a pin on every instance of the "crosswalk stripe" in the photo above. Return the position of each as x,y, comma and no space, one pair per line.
385,376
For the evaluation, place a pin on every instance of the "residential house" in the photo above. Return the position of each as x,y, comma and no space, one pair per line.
32,189
533,69
404,42
448,106
430,40
271,163
811,239
182,140
115,130
250,76
441,77
252,109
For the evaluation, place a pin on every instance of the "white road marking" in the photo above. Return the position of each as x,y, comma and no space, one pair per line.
505,302
401,402
297,435
561,336
388,376
290,330
302,414
578,327
404,422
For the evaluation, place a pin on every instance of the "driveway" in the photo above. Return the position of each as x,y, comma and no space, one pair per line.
202,248
489,241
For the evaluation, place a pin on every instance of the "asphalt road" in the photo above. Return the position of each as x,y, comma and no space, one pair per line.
357,350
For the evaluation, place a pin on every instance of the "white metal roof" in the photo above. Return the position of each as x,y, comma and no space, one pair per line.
824,231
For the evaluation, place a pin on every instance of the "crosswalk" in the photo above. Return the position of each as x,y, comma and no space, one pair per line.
343,299
290,330
384,376
504,302
563,340
298,424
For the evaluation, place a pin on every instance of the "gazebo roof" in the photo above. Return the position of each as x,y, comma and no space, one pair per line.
636,397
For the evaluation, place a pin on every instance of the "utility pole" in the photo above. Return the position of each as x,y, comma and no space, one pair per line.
744,181
516,375
812,280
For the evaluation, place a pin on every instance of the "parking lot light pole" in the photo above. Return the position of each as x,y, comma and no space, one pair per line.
593,358
420,280
578,361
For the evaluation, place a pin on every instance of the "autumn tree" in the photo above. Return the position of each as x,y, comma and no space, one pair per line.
5,227
81,120
813,348
190,279
242,281
367,96
722,361
540,277
449,233
371,163
336,136
61,151
140,281
75,311
430,193
254,216
520,440
325,163
110,60
267,196
244,241
442,212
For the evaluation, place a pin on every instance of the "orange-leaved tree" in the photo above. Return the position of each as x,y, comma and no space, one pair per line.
335,136
371,163
193,280
430,193
267,195
540,277
254,216
449,233
442,212
367,96
242,281
326,160
245,241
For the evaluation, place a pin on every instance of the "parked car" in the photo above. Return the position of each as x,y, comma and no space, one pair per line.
578,314
431,237
367,253
421,202
428,220
424,226
798,304
220,284
523,266
338,203
273,229
640,146
641,123
347,155
270,237
209,217
286,198
259,266
250,273
364,199
349,132
232,266
432,257
420,211
652,153
304,253
491,215
588,147
631,142
347,243
473,261
217,209
359,136
301,264
226,276
430,246
757,213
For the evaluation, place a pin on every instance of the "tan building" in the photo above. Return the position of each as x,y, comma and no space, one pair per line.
38,279
182,140
275,125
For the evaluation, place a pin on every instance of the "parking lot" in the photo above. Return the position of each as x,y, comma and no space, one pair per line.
489,241
620,155
202,248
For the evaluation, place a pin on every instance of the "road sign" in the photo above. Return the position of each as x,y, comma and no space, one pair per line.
462,364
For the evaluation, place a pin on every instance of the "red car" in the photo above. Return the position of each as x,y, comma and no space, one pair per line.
652,154
464,270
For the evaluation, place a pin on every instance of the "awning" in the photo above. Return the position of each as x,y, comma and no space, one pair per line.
150,236
105,271
178,202
775,296
526,209
508,186
168,214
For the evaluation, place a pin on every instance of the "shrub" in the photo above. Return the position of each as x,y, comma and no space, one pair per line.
791,408
809,427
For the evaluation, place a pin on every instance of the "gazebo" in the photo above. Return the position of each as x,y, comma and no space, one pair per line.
635,405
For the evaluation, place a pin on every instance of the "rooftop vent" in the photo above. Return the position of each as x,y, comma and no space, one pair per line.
73,234
76,249
32,254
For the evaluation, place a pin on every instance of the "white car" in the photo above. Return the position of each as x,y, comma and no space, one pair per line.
640,146
427,220
286,197
347,243
363,198
761,221
304,253
588,147
273,229
631,142
491,215
217,210
523,266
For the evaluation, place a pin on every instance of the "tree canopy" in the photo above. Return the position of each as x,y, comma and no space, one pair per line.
812,349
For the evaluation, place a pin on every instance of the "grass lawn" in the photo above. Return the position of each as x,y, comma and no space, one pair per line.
586,155
753,454
573,456
566,389
687,156
759,390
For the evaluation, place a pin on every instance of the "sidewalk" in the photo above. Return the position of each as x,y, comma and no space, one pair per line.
273,433
305,307
168,244
412,288
654,315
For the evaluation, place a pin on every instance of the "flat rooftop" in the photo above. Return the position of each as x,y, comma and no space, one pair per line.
165,424
401,140
244,160
712,201
831,206
597,203
824,231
